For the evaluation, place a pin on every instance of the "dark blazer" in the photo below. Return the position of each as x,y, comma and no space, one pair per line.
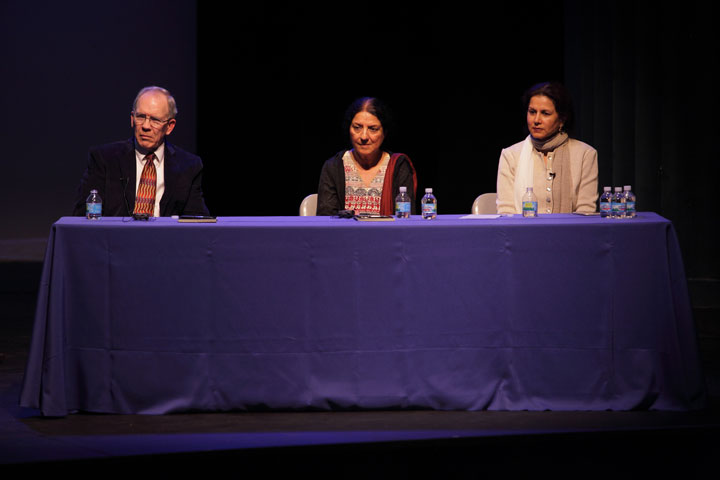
111,171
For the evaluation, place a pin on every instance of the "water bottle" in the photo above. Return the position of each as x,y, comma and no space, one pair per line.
529,203
402,204
429,205
629,202
93,206
605,203
618,204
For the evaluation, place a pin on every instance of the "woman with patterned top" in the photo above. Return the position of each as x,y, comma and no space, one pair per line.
365,178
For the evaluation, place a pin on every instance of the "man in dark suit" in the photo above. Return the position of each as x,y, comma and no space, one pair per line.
146,174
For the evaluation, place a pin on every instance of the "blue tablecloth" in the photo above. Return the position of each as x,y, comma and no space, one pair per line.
561,312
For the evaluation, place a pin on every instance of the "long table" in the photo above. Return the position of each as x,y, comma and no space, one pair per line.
560,312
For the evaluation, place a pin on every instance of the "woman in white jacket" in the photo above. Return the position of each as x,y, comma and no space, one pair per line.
562,171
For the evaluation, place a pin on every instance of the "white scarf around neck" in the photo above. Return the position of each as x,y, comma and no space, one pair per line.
523,173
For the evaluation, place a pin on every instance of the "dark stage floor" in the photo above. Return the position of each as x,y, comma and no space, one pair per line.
385,444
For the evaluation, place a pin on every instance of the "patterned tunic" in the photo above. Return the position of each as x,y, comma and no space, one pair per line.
361,197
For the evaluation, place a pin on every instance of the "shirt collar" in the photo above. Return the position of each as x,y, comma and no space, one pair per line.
159,154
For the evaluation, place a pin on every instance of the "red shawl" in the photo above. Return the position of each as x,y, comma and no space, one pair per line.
387,201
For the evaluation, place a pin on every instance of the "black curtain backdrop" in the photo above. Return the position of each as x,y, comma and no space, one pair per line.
274,83
644,75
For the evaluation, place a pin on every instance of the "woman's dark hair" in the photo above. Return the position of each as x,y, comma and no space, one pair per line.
371,105
560,96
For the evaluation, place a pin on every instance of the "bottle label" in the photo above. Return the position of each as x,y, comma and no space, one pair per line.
93,208
605,207
529,207
402,207
630,207
429,208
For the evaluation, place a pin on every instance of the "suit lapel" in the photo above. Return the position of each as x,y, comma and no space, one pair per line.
170,173
128,173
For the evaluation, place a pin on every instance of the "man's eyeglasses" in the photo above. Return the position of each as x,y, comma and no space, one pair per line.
154,122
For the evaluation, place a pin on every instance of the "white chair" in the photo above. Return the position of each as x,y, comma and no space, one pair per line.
485,204
308,207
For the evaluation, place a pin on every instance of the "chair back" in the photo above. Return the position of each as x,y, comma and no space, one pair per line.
308,207
485,204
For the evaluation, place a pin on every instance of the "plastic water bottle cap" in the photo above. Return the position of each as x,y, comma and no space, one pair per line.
403,189
606,189
626,187
428,190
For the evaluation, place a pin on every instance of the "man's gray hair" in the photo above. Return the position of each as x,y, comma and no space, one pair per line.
172,106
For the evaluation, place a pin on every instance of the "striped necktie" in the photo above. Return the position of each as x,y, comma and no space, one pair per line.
145,198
